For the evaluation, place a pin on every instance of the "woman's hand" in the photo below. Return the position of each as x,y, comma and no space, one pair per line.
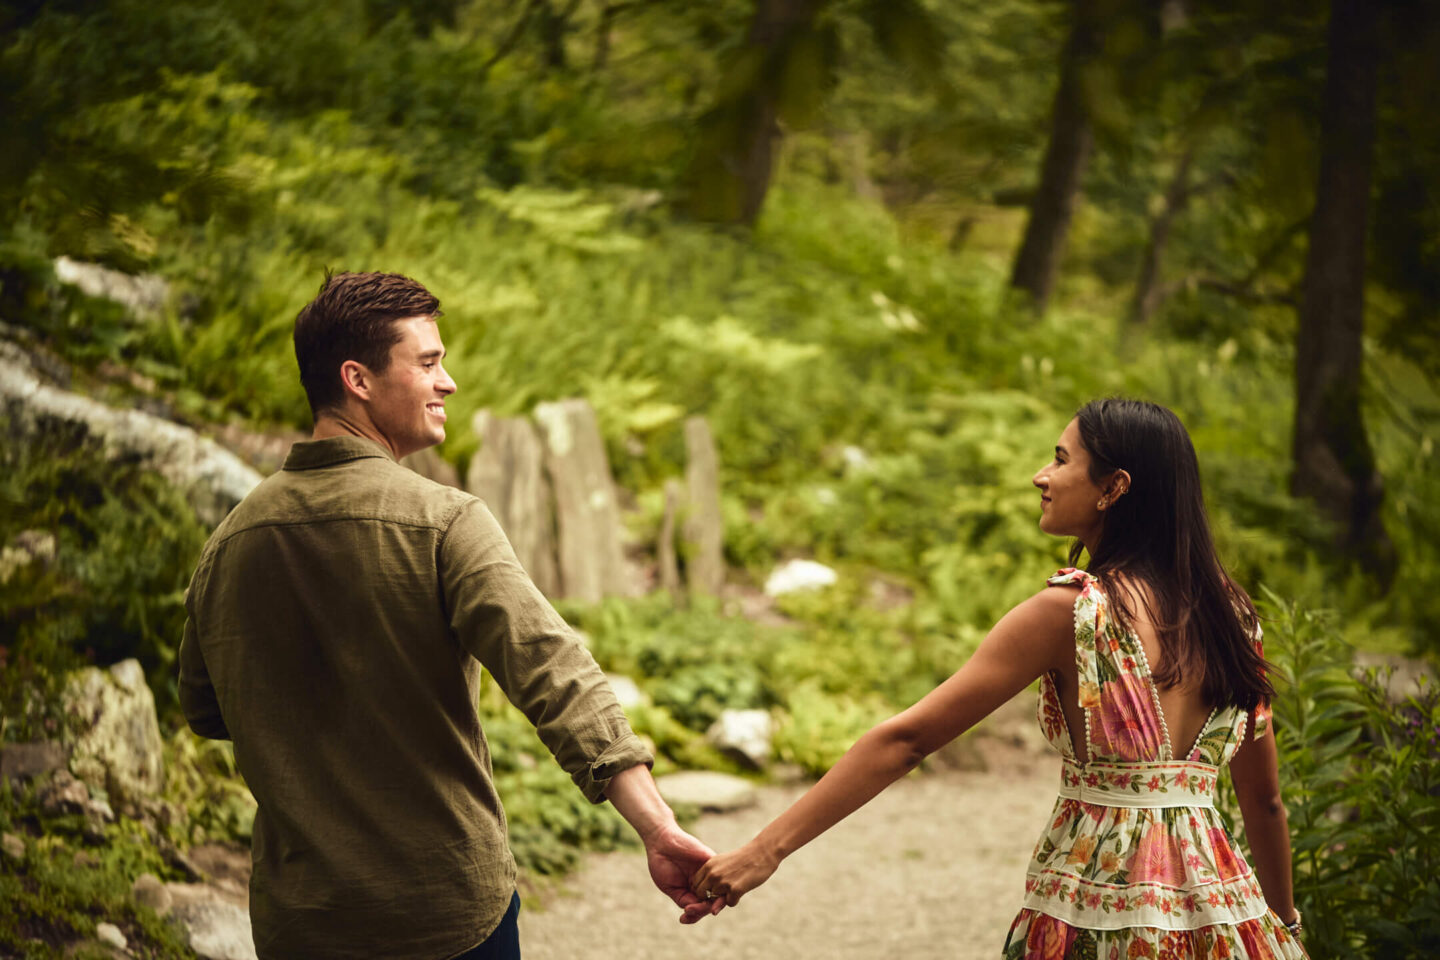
732,875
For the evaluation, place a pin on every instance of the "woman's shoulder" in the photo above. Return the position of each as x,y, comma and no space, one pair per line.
1050,610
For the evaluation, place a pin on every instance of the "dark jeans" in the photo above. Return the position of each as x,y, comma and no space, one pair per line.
504,943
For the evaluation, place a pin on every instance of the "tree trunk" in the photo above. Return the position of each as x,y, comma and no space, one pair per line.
1148,290
736,150
1334,464
1071,140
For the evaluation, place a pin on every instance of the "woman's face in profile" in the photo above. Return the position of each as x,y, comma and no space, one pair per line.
1068,497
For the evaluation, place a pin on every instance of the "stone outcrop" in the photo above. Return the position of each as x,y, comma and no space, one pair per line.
117,746
212,478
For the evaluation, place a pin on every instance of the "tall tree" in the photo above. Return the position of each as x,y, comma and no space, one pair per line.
736,150
1071,140
1333,462
781,76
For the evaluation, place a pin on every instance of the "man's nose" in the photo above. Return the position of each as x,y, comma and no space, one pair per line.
446,385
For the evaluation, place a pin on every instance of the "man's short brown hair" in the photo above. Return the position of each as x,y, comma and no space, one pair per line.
353,318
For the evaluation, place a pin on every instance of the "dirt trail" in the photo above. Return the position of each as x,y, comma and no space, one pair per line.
934,867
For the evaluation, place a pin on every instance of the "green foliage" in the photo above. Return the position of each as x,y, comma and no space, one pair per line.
124,544
69,880
202,781
1361,780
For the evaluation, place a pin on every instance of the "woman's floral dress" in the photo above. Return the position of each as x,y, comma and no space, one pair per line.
1136,862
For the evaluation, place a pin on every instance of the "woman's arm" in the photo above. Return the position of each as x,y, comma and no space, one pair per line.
1255,771
1036,636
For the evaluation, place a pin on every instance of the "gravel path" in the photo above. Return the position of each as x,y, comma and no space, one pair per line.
933,867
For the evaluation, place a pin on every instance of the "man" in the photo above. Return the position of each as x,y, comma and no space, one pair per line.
338,621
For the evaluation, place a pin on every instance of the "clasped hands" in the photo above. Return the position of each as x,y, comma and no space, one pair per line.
700,882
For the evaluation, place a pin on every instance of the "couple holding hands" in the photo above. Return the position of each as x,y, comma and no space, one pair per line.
339,617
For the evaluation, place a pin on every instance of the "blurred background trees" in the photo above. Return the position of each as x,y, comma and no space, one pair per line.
1252,184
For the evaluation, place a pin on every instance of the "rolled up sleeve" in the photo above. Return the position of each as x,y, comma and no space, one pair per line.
507,624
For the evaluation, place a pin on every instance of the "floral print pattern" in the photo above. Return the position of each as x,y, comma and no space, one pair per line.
1136,862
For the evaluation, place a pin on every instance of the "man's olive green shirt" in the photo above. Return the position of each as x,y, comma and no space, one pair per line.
338,620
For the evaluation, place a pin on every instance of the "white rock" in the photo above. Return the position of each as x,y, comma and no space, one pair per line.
856,460
744,734
707,790
148,890
117,745
218,931
143,294
109,933
799,575
627,691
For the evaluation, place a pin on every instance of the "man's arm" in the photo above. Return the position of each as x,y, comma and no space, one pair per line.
197,693
673,855
545,671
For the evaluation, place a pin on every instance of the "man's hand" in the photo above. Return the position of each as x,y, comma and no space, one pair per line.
672,854
673,857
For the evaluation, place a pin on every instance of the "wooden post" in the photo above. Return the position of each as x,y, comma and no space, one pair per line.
704,524
592,562
508,473
665,550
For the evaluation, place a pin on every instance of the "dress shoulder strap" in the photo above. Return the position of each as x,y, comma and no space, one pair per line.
1089,624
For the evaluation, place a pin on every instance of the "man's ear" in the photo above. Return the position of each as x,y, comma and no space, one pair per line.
356,378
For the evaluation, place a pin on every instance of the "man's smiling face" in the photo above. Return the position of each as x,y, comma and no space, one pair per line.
407,401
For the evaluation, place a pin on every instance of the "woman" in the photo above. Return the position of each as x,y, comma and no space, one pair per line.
1136,861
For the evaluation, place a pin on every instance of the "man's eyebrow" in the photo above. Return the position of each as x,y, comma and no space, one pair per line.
432,354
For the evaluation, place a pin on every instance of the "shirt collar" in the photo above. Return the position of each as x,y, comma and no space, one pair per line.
309,454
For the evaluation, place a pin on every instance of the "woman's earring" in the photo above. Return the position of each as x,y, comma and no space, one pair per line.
1102,505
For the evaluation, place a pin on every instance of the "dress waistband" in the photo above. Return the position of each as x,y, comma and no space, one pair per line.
1173,783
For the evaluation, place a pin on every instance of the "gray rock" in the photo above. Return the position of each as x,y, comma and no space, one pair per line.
1402,677
627,691
217,930
150,892
718,792
212,478
799,575
110,934
63,794
117,746
744,735
24,761
98,811
12,846
25,548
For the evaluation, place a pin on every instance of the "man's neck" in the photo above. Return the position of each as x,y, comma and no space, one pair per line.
329,424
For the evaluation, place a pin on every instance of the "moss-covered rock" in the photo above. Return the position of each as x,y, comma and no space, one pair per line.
117,744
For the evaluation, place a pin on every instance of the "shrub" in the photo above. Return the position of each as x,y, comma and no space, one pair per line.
1361,781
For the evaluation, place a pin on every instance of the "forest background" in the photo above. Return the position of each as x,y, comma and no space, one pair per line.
886,247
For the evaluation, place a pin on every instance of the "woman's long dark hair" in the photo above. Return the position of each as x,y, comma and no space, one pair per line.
1158,534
